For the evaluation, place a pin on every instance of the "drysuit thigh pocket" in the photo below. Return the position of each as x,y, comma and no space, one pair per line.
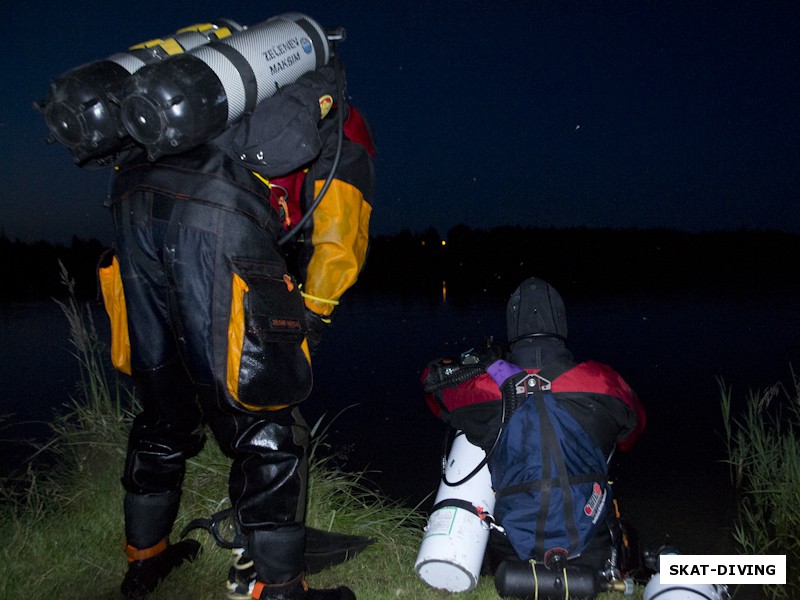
114,301
267,367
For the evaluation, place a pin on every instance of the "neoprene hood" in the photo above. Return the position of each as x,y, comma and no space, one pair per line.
536,307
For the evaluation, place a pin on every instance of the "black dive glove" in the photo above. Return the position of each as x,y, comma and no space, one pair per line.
317,324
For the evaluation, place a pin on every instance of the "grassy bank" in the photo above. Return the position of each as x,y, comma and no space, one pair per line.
764,456
61,520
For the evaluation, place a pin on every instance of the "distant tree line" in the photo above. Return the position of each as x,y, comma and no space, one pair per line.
31,270
492,262
581,260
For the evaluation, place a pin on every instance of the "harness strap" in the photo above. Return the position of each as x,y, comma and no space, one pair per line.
551,448
478,511
535,486
547,466
245,71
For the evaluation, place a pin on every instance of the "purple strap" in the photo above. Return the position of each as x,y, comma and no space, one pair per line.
501,370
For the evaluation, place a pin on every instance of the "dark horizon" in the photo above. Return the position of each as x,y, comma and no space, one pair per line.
491,262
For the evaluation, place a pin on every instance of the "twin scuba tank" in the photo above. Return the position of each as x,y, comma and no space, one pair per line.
170,95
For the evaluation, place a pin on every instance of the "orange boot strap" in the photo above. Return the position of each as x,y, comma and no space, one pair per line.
134,554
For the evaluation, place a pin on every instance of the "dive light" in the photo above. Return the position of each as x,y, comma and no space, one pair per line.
82,109
174,105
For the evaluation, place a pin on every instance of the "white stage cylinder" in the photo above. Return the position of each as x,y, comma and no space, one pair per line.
684,591
452,549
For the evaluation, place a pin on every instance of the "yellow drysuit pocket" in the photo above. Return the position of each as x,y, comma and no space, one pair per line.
114,300
268,366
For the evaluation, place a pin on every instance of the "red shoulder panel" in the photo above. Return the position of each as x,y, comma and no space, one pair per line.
356,130
599,378
481,388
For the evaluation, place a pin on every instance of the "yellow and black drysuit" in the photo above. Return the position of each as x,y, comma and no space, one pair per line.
213,326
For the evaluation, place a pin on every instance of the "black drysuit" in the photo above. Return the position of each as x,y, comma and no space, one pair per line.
217,323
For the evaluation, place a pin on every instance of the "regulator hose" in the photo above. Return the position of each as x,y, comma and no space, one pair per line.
337,158
459,374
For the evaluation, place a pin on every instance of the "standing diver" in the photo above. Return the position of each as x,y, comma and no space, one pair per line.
221,330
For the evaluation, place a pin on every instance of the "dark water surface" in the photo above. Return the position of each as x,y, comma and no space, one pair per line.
38,373
670,348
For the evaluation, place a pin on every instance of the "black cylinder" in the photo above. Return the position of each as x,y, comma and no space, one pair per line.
521,579
82,109
174,107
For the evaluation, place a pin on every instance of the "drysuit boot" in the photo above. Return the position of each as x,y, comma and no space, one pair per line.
278,560
297,589
148,521
143,576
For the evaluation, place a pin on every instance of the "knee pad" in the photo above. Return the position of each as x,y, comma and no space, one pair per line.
153,467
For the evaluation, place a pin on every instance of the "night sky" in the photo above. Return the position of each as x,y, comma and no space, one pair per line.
543,113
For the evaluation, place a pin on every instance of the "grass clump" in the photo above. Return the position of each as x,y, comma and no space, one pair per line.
62,521
763,450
